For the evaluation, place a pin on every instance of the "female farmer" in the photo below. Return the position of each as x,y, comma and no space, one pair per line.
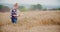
14,13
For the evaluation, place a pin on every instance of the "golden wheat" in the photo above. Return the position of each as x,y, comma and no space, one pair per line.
28,20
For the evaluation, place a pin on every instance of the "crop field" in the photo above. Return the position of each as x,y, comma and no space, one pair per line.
31,21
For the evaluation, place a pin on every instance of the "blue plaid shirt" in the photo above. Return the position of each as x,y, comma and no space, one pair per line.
13,12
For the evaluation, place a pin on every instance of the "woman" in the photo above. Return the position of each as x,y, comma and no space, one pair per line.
14,13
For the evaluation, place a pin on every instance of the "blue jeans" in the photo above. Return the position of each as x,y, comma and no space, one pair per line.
14,19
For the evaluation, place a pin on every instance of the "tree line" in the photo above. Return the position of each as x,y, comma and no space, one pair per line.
32,7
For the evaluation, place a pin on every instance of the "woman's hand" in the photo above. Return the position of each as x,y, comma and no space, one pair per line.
18,15
14,15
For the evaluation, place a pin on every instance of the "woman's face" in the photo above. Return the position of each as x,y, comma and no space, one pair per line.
16,7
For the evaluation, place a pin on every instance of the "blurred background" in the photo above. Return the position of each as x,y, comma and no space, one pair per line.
35,16
30,5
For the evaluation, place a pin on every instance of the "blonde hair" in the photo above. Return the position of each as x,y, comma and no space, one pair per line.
16,4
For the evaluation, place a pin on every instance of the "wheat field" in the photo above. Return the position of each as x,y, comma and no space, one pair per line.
31,21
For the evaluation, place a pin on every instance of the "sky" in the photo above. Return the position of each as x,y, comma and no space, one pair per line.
43,2
47,3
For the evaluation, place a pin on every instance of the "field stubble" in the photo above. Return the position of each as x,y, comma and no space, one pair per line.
31,21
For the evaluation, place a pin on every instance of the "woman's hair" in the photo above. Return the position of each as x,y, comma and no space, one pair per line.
16,4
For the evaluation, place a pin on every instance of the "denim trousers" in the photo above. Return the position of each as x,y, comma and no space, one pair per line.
14,19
